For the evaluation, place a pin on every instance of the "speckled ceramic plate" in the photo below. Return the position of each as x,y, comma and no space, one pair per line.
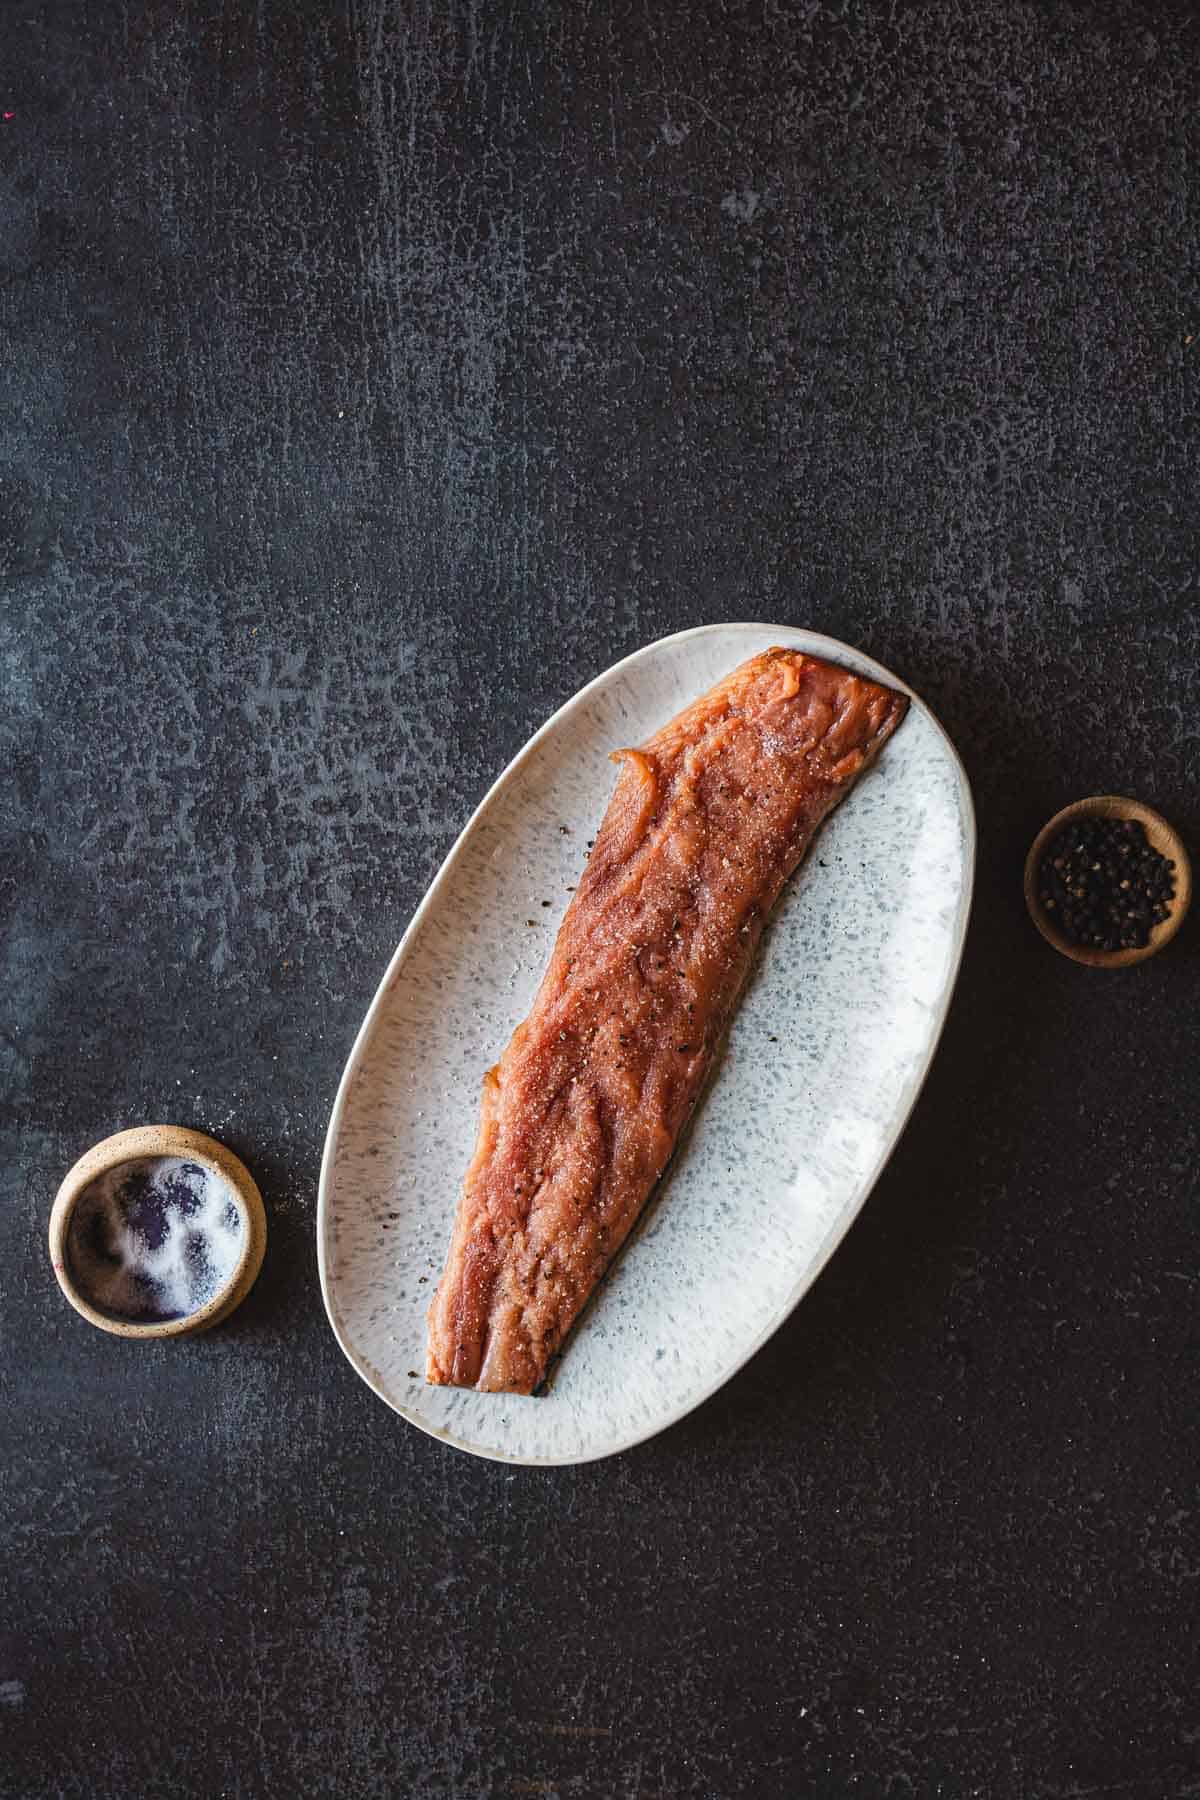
827,1053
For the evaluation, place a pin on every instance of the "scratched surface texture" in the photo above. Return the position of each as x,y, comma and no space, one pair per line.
371,376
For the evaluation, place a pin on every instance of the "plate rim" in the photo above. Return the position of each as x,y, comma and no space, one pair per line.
826,646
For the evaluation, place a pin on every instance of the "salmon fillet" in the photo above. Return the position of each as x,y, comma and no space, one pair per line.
583,1110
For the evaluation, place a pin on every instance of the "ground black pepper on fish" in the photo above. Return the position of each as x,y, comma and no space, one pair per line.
1103,885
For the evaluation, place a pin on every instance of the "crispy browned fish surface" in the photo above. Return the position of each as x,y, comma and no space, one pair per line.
582,1112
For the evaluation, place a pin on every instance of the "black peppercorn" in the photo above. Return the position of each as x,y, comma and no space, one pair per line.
1105,885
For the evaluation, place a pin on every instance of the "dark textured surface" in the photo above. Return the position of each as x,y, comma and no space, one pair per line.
371,377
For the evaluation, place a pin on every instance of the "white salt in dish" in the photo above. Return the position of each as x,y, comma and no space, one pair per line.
157,1232
155,1239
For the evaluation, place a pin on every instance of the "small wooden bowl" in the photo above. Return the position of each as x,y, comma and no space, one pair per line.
156,1141
1160,836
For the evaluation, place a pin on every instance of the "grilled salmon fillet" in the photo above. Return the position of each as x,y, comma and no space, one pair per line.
580,1115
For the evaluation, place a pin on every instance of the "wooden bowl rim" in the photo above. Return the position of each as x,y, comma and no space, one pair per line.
1162,836
131,1146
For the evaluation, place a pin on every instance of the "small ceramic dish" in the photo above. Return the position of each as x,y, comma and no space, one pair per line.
1159,835
157,1232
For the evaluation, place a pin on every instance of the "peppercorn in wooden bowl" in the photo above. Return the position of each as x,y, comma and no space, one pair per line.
1108,882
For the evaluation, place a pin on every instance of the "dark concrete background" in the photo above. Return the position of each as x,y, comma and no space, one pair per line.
371,377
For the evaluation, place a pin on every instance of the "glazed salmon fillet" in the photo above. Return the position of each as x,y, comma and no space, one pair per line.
581,1114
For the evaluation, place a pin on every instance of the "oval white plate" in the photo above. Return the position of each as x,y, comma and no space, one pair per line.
825,1059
